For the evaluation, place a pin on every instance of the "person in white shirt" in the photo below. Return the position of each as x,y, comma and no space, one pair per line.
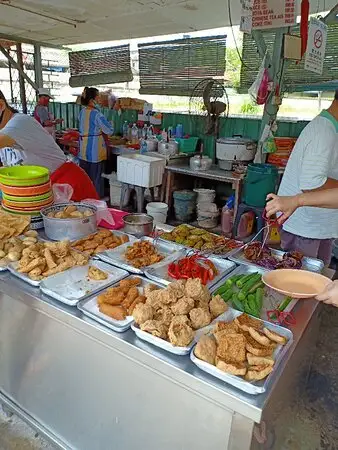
37,147
313,165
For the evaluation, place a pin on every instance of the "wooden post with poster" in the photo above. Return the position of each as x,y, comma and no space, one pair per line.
265,14
316,46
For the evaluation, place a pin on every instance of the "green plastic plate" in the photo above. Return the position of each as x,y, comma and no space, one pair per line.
24,175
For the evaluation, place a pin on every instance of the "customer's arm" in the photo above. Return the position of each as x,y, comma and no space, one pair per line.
287,205
6,141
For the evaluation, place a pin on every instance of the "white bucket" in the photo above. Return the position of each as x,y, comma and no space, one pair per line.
158,211
208,219
205,195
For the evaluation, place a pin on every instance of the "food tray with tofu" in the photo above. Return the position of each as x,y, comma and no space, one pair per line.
172,317
42,259
241,350
136,256
113,308
201,240
218,268
244,290
101,241
75,284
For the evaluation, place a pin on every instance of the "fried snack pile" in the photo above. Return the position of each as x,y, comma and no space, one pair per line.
142,254
71,212
99,242
12,225
200,239
119,302
242,347
11,249
176,312
43,259
96,274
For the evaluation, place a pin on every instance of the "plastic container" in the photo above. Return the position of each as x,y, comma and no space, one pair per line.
140,170
227,217
246,224
187,145
205,195
117,215
185,205
125,129
115,188
134,134
260,180
179,130
208,215
158,211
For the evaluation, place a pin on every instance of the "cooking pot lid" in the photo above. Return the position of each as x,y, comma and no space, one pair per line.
235,141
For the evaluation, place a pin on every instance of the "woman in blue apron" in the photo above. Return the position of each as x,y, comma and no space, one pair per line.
93,127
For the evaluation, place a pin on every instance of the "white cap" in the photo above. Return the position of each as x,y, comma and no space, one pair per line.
46,92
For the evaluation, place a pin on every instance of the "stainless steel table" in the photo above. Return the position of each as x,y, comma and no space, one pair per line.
85,387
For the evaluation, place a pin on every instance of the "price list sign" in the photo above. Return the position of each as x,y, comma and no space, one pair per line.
265,14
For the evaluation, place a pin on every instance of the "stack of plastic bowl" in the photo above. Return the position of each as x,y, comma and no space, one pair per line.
25,191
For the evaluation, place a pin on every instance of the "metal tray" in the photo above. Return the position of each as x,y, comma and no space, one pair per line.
253,388
160,272
73,285
89,308
310,264
116,256
271,298
225,255
115,232
12,267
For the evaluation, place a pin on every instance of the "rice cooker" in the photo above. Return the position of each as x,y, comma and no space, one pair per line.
233,150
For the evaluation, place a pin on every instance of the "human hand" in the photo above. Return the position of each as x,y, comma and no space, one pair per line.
58,121
330,295
286,205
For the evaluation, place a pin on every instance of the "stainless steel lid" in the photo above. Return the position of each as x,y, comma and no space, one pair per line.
236,140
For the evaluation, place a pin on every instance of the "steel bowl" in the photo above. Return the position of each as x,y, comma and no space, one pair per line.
138,225
72,229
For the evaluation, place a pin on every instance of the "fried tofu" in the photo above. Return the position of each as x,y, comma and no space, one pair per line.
257,349
231,367
227,327
259,360
257,373
259,337
232,348
275,337
245,322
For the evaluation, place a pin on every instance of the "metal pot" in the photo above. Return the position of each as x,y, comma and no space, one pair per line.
138,225
152,145
61,229
168,148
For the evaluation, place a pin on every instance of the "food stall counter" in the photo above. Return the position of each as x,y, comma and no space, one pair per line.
84,386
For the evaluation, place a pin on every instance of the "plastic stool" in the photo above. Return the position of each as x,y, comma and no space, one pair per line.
243,208
126,191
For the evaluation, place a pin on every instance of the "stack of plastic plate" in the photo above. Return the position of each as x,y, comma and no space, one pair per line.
25,191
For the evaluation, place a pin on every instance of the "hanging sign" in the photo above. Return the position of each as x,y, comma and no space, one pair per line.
316,46
265,14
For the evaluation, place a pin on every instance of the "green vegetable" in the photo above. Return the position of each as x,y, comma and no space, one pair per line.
237,303
222,290
240,283
226,296
251,283
259,299
285,303
258,285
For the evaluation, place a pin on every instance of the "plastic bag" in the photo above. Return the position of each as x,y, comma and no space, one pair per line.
103,212
269,145
259,90
62,192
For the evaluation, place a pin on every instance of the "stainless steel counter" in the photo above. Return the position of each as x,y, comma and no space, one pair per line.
86,387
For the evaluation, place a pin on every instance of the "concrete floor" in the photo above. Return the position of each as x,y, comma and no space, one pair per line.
311,424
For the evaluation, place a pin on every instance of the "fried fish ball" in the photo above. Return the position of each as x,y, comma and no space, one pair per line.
178,288
194,288
181,319
180,334
217,306
70,209
31,233
76,215
87,213
164,315
206,349
199,318
150,288
143,313
183,306
115,312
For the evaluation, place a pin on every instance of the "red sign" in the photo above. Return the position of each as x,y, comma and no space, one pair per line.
318,39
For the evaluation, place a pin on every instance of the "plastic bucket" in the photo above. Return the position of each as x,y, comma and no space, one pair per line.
260,180
208,219
205,195
185,205
158,211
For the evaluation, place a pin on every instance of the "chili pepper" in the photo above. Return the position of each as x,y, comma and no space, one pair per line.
205,276
196,271
172,271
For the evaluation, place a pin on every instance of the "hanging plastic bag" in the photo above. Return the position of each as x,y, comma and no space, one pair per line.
259,90
62,193
269,146
102,213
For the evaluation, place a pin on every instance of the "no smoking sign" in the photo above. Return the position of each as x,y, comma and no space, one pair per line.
318,39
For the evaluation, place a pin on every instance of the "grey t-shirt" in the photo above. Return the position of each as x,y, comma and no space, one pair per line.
38,146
